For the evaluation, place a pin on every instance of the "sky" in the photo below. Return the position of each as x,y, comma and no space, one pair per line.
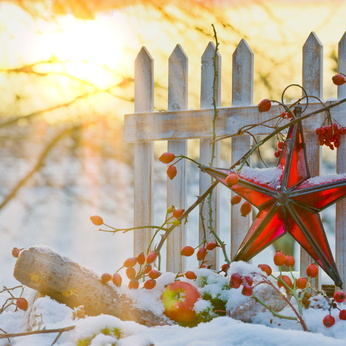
70,48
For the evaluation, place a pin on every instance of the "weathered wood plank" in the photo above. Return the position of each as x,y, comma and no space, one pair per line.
176,188
196,123
143,152
340,225
313,85
242,95
69,283
208,94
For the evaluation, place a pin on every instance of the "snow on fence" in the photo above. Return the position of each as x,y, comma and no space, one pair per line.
178,124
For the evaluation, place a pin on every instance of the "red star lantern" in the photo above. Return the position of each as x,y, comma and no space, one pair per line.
289,201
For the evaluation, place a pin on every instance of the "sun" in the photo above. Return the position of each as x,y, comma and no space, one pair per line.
91,50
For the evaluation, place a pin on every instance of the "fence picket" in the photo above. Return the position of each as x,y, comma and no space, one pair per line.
143,152
242,95
340,224
176,188
312,83
207,99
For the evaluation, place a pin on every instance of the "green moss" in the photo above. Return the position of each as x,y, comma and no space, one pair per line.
114,332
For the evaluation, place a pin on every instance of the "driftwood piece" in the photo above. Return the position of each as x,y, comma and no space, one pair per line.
69,283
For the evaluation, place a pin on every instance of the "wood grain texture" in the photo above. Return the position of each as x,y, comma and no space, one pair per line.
192,123
69,283
143,153
340,224
209,211
242,95
313,85
176,188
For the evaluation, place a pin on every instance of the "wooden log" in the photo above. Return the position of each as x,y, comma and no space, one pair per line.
69,283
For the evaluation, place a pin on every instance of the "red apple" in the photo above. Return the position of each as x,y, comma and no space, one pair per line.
179,299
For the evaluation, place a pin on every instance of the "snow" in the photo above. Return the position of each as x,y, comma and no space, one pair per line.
265,329
323,179
265,176
219,331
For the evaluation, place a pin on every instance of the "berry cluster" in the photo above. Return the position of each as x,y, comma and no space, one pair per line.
237,280
338,297
145,272
280,145
168,158
330,135
246,208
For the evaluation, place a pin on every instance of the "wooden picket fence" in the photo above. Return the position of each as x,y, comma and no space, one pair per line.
178,124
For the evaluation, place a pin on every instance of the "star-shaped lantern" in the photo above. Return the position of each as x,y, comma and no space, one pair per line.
289,201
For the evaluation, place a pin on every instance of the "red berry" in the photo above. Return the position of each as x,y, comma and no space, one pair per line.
286,279
245,209
264,105
277,153
201,253
96,220
312,270
149,284
279,258
151,257
131,273
266,268
171,172
301,283
178,212
105,277
232,179
286,115
339,296
147,269
167,157
187,251
154,274
280,145
117,280
133,284
248,280
130,262
190,275
342,314
247,290
211,246
22,304
141,258
225,267
289,261
235,199
15,252
328,321
235,281
338,79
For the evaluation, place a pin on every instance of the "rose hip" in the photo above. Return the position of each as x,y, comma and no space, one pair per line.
187,251
279,258
266,268
339,296
312,270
